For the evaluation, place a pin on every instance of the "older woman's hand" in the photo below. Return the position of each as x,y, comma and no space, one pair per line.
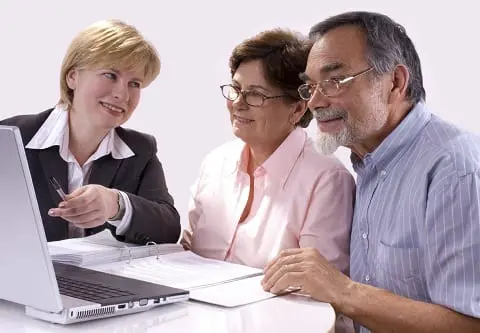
186,240
88,207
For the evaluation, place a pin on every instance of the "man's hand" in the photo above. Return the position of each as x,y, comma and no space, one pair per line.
309,272
88,207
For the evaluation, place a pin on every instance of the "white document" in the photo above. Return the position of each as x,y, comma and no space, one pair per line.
184,270
104,237
103,248
232,294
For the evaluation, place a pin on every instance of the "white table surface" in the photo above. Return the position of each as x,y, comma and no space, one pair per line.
289,314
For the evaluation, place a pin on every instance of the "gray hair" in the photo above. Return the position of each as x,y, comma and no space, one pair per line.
387,46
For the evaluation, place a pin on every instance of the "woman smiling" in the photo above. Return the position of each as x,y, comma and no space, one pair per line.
112,174
270,189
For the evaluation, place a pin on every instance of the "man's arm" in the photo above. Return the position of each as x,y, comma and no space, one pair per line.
382,311
451,248
377,309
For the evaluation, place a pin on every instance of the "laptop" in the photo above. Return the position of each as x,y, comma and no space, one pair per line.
51,291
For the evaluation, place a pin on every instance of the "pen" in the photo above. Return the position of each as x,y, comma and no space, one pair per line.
57,187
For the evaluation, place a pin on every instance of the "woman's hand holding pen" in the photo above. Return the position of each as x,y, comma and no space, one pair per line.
88,207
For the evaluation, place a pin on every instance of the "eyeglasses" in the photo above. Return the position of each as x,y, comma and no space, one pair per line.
251,97
328,88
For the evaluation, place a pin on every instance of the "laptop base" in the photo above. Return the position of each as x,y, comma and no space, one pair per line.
95,311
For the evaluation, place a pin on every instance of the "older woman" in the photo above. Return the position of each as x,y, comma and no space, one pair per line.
111,175
270,189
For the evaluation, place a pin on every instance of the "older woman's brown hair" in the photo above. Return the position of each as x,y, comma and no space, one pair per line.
283,54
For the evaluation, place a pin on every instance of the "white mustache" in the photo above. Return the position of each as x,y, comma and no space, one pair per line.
328,114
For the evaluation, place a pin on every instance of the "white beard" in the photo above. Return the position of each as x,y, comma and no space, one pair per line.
327,143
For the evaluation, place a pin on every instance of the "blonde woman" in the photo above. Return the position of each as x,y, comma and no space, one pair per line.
111,175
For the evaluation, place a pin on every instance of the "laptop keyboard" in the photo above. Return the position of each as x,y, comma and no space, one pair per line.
88,291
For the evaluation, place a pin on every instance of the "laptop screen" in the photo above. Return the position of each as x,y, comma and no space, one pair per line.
27,272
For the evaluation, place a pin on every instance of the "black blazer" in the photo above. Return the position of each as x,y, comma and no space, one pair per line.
154,217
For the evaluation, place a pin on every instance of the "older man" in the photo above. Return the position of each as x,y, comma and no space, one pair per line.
415,245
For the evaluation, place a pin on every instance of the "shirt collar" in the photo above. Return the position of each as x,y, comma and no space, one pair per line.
392,148
279,165
54,132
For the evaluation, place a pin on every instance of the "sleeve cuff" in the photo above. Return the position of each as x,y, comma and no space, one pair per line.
123,224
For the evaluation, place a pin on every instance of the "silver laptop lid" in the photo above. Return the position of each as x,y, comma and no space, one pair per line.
27,273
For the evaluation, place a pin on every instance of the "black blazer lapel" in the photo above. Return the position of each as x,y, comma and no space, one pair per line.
104,171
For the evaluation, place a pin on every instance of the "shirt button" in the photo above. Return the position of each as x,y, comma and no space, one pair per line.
364,235
367,277
383,173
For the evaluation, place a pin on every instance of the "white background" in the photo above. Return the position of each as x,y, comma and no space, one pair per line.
183,108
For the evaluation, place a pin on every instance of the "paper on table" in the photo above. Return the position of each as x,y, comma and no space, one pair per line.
76,245
101,241
102,248
232,294
105,238
184,270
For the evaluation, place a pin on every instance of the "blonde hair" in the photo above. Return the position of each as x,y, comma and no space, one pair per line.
109,44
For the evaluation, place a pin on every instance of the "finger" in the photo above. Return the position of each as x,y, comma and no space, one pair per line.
289,282
283,254
270,264
90,224
71,212
290,290
83,199
271,280
84,218
76,193
280,262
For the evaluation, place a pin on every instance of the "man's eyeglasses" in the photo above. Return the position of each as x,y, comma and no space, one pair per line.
328,88
251,97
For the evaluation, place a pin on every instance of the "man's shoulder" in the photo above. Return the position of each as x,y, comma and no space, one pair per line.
450,144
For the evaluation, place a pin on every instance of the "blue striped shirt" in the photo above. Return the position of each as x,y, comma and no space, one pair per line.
416,225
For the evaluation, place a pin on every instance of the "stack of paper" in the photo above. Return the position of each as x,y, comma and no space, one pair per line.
103,248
